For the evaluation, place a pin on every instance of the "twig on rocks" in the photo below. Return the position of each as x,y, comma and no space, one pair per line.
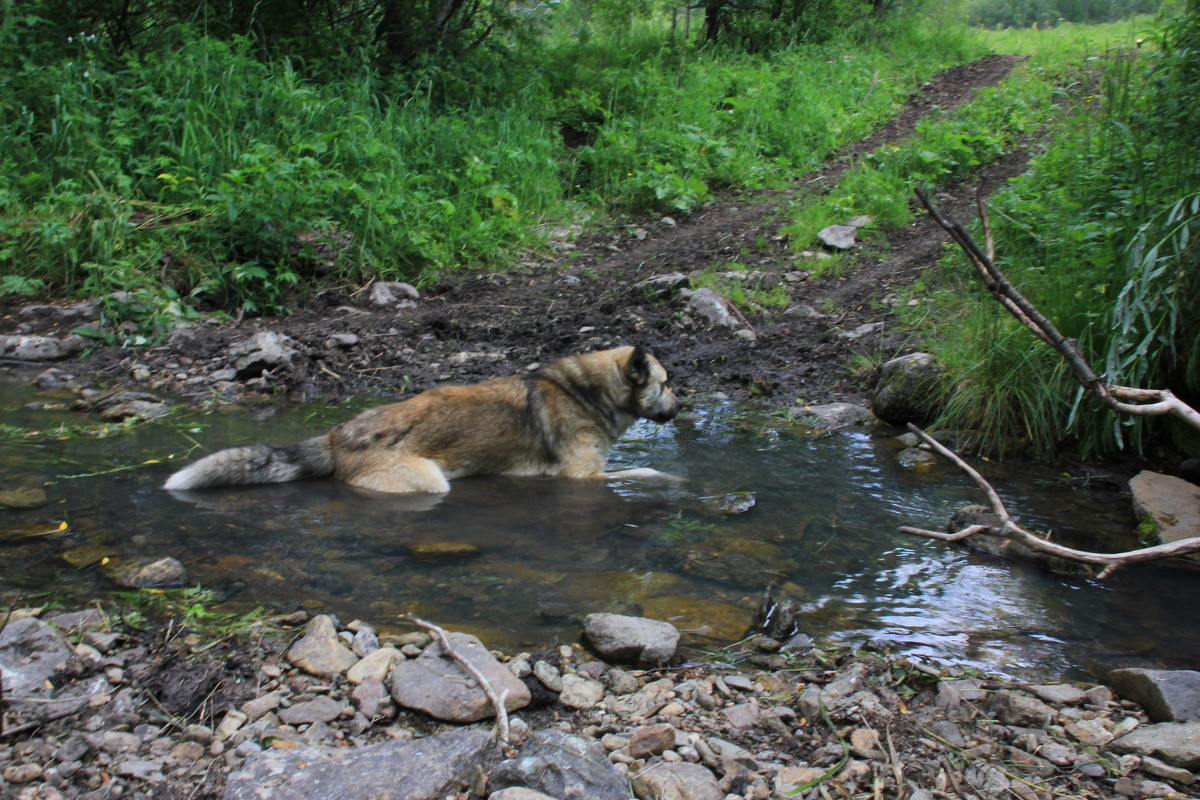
1009,529
497,700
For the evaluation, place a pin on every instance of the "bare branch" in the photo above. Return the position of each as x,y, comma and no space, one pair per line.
1009,529
1122,399
497,700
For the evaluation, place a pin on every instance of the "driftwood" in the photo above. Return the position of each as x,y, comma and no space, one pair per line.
1124,399
497,700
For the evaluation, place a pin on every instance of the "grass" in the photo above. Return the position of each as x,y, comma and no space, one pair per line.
1099,236
202,178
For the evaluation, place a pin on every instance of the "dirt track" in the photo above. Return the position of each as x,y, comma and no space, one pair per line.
481,325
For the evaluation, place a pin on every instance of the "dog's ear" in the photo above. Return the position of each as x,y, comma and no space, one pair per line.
638,368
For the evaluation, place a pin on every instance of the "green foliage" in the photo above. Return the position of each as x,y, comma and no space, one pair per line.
1100,235
943,147
742,286
1043,13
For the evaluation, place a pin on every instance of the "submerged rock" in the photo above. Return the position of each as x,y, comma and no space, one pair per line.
146,573
833,416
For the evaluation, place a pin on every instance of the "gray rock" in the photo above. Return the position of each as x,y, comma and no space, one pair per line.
320,652
1062,694
319,709
662,285
549,675
41,348
253,709
268,350
630,640
146,573
1176,743
651,740
441,687
1018,708
563,766
435,767
394,293
1172,503
678,781
710,307
909,389
1166,695
518,793
839,237
832,416
580,692
1159,769
30,652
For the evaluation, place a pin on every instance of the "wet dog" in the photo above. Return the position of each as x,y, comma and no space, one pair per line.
559,421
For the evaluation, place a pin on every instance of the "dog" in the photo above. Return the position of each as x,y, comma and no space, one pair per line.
558,421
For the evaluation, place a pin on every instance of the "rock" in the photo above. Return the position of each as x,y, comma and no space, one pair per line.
376,665
620,681
341,341
1159,769
832,416
519,793
839,237
1018,708
651,740
1171,503
630,640
579,692
861,332
41,348
267,351
661,285
728,559
30,652
253,709
1176,743
665,781
394,293
137,409
438,685
1092,732
434,767
1166,695
146,573
29,497
789,779
443,551
319,709
549,675
320,652
909,389
366,641
563,766
371,698
729,504
710,307
1061,694
742,715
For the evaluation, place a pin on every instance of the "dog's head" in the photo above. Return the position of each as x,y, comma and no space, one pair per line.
651,398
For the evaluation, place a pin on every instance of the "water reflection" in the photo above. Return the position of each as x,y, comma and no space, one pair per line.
522,560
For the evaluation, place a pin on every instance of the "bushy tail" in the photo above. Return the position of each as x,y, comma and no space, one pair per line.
257,463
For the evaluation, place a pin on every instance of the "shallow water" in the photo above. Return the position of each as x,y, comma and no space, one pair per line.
546,552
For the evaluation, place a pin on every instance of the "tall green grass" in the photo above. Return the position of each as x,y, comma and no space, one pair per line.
202,176
1100,235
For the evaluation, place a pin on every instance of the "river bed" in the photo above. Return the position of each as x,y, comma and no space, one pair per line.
520,561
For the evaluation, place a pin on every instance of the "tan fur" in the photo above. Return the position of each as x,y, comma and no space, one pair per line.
561,420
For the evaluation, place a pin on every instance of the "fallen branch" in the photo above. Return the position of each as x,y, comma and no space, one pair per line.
497,700
1009,529
1123,399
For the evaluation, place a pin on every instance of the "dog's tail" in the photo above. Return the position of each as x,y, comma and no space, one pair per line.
257,463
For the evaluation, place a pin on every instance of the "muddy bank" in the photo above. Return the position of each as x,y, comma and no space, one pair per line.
302,707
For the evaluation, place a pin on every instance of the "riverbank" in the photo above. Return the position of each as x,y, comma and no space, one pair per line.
296,707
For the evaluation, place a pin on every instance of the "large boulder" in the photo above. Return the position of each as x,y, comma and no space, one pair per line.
1171,503
439,685
909,390
442,765
1166,695
31,653
622,639
1177,743
41,348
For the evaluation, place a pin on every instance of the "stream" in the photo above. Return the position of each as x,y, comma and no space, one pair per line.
521,561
